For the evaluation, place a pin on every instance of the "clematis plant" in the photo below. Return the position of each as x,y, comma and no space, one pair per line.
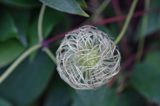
87,58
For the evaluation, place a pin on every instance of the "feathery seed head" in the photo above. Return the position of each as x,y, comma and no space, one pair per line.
87,58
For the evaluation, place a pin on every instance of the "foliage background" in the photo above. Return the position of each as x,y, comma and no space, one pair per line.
35,82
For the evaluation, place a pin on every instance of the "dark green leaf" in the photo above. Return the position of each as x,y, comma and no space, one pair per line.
155,4
82,3
153,23
58,95
9,50
153,20
111,31
146,78
7,27
4,102
153,57
130,97
21,3
51,19
28,80
107,97
69,6
21,19
101,96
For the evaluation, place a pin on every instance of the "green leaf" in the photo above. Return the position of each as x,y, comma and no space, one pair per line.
21,3
4,102
108,97
101,96
153,21
155,4
58,94
153,24
9,50
51,19
68,6
111,30
130,97
153,58
146,78
21,19
7,27
28,81
82,3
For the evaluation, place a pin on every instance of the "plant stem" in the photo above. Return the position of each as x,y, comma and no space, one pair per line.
40,33
100,10
142,32
129,16
40,23
18,61
140,49
52,57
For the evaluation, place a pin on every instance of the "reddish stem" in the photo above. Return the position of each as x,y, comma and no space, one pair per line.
119,18
54,38
102,22
116,7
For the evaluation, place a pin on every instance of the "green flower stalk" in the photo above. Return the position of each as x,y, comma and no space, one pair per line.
87,58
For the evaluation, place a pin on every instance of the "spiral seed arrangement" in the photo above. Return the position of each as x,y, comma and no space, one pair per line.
87,58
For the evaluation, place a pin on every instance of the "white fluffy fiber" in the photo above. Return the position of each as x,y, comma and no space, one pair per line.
87,58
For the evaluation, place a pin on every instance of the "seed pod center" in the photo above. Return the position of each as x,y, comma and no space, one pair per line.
87,58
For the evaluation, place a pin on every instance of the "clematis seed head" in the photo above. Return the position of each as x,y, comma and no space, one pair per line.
87,58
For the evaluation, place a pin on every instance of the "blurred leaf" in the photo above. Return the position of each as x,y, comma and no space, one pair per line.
110,30
9,50
155,4
21,19
130,97
69,6
51,19
21,3
7,27
28,80
101,96
107,97
153,20
4,102
58,95
153,24
153,57
82,3
146,78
